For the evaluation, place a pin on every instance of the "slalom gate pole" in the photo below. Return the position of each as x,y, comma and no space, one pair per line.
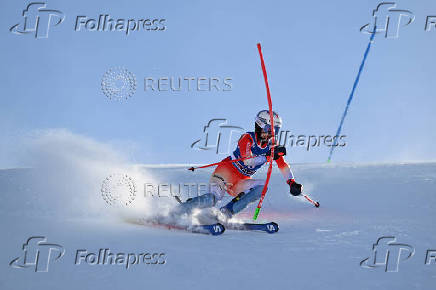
350,98
268,176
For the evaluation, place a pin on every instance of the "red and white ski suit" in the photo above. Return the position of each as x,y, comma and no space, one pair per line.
235,177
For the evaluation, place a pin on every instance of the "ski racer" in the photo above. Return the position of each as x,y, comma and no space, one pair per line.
234,178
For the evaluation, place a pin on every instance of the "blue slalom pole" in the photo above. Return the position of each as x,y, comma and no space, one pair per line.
350,98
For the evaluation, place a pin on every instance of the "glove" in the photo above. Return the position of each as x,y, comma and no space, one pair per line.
279,151
294,188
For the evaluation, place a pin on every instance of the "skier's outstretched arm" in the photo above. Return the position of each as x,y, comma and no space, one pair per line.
294,188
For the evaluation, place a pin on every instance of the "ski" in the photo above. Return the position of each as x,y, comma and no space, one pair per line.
270,227
210,229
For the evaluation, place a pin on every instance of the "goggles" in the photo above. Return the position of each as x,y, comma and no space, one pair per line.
267,128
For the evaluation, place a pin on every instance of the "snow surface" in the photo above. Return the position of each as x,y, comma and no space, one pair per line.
314,249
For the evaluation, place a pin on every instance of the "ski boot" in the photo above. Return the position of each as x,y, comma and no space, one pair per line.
203,201
241,201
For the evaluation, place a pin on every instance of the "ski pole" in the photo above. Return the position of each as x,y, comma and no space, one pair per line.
230,161
221,162
315,203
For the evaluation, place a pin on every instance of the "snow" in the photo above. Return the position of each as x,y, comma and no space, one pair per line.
314,249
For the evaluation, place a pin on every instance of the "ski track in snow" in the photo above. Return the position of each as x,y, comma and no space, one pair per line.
315,248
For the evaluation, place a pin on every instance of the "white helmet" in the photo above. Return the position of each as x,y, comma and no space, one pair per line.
263,121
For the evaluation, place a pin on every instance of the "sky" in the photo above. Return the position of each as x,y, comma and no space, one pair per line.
312,52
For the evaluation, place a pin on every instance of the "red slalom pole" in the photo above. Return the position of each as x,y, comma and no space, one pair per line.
268,176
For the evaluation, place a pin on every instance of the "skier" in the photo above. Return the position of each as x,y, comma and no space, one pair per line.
235,179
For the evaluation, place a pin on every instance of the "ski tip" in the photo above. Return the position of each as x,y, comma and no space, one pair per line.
217,229
192,168
316,204
272,228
